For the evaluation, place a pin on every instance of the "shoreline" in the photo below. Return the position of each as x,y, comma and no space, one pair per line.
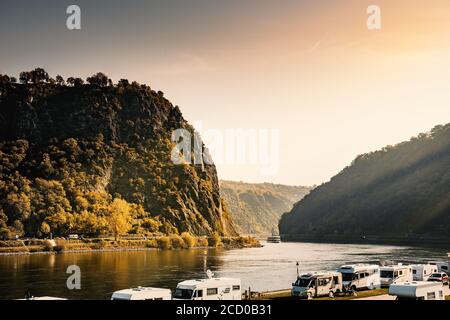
100,251
43,247
425,243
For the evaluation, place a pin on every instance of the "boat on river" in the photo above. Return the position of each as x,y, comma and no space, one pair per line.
274,238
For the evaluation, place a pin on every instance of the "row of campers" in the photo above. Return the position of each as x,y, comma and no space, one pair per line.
357,277
198,289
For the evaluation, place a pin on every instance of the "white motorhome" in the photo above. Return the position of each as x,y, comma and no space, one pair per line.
142,293
209,289
442,266
421,272
395,274
360,276
317,285
418,290
43,298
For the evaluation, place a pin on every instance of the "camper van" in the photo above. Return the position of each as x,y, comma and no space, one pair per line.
209,289
418,290
442,266
142,293
360,277
317,285
421,272
395,274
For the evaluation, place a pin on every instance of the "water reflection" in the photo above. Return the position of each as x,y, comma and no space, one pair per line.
268,268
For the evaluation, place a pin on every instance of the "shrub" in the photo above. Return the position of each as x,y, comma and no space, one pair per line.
202,242
215,240
48,245
60,246
188,239
100,244
164,243
151,243
177,242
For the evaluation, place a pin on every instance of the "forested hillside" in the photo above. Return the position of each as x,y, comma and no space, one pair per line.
78,157
257,207
399,191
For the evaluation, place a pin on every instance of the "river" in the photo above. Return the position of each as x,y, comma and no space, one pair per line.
268,268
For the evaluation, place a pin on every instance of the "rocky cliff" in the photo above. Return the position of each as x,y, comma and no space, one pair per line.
66,151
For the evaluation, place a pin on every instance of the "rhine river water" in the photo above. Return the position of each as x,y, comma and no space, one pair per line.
268,268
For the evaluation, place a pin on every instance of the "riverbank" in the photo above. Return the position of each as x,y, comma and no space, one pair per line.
172,242
412,240
377,294
286,295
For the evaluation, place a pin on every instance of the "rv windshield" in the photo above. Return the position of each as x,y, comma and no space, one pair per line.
348,276
386,274
183,293
303,283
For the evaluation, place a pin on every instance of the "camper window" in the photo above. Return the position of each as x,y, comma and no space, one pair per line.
183,293
321,282
335,280
431,296
199,293
236,288
348,276
303,283
414,271
211,291
386,274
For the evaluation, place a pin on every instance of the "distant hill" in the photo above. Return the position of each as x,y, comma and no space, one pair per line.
401,191
68,149
256,208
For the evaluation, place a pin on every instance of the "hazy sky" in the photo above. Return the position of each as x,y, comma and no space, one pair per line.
310,69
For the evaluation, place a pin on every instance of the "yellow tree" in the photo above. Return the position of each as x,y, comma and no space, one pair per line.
119,218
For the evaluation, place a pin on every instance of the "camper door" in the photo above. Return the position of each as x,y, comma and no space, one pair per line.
323,286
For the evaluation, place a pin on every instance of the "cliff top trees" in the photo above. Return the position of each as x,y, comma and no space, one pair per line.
35,76
60,80
75,82
99,79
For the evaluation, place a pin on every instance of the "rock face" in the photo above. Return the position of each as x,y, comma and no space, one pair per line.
400,192
257,207
92,142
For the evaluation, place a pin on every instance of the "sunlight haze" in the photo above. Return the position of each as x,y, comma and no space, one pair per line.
311,69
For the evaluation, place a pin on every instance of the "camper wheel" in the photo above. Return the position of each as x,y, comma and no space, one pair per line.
331,294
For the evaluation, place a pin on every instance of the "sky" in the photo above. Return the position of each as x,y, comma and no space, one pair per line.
310,72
